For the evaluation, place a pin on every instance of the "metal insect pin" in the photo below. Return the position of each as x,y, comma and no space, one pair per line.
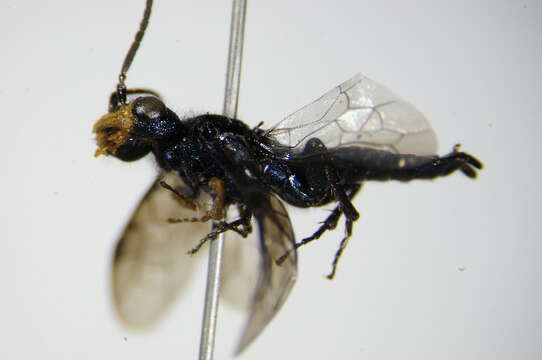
319,155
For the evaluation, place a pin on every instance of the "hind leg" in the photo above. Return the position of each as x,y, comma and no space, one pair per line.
445,165
351,215
344,207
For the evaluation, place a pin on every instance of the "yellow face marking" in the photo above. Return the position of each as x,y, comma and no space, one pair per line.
113,129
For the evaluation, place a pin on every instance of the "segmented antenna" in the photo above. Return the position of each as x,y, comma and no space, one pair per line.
121,87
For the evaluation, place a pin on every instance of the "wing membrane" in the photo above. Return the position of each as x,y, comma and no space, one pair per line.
275,282
240,268
150,266
359,112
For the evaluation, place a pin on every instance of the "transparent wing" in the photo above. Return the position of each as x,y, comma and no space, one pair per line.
150,266
274,282
240,269
359,112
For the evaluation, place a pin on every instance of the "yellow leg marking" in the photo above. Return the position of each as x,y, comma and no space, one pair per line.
181,199
216,212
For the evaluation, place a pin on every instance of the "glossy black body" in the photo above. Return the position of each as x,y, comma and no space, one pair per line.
213,146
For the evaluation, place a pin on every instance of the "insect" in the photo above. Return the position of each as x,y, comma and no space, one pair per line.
319,155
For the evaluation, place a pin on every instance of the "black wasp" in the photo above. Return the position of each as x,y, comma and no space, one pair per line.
319,155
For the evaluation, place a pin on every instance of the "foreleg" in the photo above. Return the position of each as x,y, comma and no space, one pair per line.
216,212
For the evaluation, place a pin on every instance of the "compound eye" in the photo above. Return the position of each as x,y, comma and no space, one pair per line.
149,109
131,95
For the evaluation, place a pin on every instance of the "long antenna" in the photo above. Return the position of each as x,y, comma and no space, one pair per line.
231,97
121,87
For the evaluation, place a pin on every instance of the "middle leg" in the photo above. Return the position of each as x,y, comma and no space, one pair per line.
241,226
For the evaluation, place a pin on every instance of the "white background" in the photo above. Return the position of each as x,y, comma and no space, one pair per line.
436,270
